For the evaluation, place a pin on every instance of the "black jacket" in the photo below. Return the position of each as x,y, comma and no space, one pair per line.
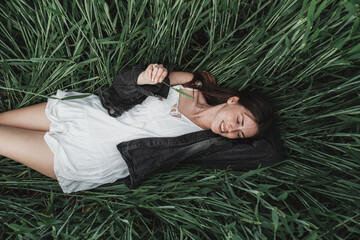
148,156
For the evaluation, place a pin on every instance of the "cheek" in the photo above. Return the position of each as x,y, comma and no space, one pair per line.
230,135
253,131
217,120
234,136
233,113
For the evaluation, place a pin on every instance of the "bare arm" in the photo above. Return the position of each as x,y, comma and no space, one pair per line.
177,78
155,73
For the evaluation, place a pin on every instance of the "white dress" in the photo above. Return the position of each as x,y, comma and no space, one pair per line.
83,136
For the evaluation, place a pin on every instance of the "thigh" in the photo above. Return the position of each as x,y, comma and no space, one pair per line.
27,147
32,117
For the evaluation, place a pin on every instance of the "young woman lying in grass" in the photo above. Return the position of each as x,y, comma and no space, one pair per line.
140,127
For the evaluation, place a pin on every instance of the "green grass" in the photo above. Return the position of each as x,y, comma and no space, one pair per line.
303,54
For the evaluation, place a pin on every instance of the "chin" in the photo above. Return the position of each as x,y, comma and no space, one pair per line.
220,133
216,131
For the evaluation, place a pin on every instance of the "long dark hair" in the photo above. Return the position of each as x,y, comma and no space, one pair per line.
257,103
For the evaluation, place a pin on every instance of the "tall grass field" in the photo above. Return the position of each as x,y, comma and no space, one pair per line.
305,55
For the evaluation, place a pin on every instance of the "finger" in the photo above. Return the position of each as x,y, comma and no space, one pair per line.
150,67
154,72
158,74
163,76
148,72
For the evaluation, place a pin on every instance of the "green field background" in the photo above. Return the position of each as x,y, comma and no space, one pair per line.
303,54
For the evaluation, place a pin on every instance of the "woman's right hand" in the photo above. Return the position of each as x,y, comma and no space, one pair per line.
153,74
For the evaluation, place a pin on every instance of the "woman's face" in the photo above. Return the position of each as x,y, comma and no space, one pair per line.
234,121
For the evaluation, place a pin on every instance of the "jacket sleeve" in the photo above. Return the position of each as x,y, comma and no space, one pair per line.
125,93
243,154
147,157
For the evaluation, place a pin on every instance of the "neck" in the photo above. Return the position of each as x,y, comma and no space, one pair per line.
204,114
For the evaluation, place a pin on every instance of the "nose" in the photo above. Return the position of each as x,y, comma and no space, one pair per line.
233,128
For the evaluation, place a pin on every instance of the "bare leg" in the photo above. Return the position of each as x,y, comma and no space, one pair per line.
32,117
27,147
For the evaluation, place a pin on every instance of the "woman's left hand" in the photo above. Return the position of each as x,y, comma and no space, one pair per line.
154,73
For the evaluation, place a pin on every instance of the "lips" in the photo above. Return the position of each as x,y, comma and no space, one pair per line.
222,127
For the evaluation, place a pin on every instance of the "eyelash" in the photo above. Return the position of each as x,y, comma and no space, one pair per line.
237,120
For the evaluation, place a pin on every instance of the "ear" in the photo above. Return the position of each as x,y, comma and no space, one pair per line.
233,100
